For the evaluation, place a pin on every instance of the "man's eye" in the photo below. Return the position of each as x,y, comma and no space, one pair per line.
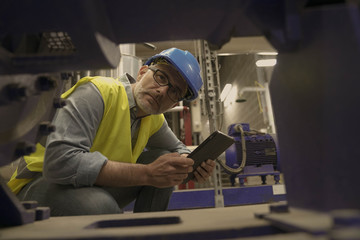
176,92
173,91
161,78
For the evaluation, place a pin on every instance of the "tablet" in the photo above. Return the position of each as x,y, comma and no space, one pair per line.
211,148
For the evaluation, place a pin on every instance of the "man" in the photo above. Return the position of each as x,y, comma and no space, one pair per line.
112,144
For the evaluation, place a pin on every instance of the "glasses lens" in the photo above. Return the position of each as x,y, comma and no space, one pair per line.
174,94
160,78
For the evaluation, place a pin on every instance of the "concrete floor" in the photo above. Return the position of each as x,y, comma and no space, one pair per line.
197,221
211,223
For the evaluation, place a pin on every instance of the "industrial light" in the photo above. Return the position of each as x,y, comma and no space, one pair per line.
225,91
226,54
231,96
266,62
268,53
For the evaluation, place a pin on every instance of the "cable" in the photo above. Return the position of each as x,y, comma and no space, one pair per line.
258,97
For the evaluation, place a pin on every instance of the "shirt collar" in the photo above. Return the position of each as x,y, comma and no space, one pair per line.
127,80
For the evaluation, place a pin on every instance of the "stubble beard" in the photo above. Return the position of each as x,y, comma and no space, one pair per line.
141,102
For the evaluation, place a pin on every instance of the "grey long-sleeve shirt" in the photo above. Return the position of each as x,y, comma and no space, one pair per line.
68,159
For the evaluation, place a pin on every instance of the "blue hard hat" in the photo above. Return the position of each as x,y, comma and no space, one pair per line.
187,66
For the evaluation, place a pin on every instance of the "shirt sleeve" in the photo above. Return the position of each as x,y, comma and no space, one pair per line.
164,138
68,159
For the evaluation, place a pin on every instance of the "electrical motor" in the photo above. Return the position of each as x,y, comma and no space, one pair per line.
251,148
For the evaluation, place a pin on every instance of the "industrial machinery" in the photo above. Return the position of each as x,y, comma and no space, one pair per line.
255,153
314,93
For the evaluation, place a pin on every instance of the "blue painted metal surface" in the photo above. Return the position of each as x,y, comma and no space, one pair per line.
251,195
234,196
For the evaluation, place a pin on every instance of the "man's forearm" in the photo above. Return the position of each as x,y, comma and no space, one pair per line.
166,171
119,174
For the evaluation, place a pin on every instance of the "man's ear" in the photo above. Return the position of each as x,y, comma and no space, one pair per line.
142,71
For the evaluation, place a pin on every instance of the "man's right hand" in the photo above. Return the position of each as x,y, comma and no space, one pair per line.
169,170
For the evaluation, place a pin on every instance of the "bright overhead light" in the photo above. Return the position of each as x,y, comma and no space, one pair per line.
225,91
226,54
266,62
231,96
268,53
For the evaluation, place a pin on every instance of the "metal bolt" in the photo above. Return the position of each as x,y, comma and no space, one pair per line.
277,179
15,92
46,128
211,94
24,148
59,103
44,83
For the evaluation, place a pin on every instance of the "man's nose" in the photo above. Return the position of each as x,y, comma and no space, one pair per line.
163,89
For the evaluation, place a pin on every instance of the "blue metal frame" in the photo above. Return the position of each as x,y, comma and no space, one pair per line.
234,196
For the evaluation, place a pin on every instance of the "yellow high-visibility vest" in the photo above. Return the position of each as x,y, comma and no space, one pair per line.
113,137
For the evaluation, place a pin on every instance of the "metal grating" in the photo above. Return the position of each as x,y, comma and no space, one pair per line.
58,42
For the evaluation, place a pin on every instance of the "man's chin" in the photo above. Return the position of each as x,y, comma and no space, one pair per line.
149,108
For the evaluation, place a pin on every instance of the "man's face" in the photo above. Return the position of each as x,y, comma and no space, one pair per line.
150,97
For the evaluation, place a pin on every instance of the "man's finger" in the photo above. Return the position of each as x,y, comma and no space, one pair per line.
198,177
211,162
203,172
182,161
